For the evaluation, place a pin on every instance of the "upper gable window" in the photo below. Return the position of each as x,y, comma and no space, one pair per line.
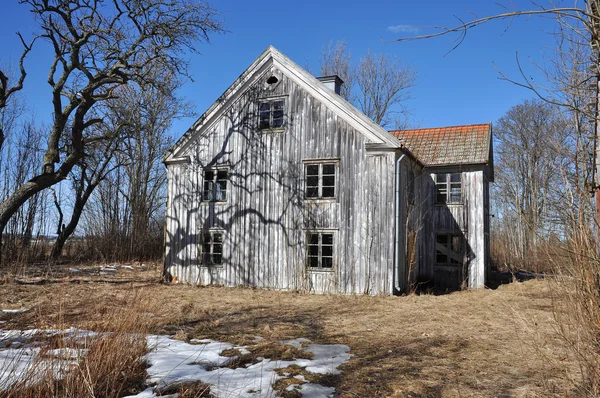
320,180
215,186
448,188
271,114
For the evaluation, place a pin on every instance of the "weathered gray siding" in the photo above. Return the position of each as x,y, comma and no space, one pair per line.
265,218
466,219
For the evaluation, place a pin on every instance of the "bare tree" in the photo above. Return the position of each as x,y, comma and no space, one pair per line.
382,82
336,60
529,172
100,46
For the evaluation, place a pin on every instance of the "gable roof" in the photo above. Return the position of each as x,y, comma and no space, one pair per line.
453,145
271,57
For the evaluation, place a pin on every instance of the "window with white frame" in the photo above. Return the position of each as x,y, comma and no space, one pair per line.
215,185
211,252
319,250
448,188
320,180
271,114
449,249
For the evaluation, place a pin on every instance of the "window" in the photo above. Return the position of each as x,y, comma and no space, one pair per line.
271,114
448,188
449,249
320,180
215,186
212,248
320,250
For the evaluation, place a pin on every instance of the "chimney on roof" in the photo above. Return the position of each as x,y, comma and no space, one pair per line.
332,82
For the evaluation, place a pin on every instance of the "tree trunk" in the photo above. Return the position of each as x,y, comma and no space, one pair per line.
68,230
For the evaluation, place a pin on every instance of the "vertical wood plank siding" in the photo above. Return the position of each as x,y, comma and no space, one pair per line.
466,219
265,219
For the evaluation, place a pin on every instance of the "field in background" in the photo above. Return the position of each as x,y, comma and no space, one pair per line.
481,343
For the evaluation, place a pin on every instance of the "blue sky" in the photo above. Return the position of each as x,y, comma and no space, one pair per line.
462,87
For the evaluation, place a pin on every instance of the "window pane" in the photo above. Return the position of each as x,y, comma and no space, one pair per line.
277,121
327,262
328,181
441,178
207,238
455,177
312,181
217,248
222,175
277,114
455,196
327,239
442,239
327,251
265,115
217,259
312,192
313,250
313,239
312,170
313,262
328,192
221,190
207,193
329,168
217,237
209,175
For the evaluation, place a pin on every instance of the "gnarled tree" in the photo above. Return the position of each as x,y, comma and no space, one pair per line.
99,46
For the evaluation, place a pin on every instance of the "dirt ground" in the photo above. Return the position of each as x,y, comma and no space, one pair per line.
484,343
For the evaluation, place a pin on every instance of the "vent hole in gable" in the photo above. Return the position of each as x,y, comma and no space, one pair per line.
272,80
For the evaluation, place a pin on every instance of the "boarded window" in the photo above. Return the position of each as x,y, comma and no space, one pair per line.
320,180
212,248
320,250
271,114
215,186
449,249
448,188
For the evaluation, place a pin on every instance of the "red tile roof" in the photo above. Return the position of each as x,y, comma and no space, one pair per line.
448,145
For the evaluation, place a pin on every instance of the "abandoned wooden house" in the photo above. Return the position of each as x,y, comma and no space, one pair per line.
283,184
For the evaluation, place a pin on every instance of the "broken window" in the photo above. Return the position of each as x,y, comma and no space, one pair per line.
449,249
448,188
320,180
215,186
212,248
271,114
320,250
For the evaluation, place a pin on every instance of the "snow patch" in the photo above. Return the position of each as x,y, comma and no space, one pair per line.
172,362
17,311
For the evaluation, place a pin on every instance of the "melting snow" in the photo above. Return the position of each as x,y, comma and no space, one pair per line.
175,362
18,311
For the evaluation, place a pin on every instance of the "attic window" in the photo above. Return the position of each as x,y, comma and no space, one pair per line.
272,80
271,114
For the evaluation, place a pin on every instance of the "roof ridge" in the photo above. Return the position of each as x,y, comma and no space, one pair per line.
442,127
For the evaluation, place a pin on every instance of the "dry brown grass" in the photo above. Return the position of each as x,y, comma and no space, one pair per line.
484,343
112,365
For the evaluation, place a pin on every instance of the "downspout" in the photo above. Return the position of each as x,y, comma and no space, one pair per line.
397,223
